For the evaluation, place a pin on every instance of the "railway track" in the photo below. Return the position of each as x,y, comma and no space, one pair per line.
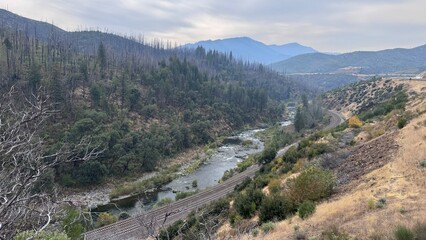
144,225
140,227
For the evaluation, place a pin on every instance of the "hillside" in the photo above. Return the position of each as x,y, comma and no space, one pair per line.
380,62
379,167
85,41
133,110
248,49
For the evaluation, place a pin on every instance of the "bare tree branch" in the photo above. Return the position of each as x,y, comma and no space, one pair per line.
24,159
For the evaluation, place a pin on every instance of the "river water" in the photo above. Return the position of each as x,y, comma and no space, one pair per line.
226,157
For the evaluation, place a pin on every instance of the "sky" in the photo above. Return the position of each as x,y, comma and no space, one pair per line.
326,25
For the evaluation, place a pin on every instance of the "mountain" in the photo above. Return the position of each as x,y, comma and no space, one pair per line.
246,48
85,41
292,49
397,60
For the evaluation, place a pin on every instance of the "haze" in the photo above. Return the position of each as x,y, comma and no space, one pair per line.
333,26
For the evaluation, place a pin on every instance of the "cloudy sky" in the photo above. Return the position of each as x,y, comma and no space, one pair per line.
327,25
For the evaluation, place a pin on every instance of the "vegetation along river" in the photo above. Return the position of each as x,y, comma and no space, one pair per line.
226,157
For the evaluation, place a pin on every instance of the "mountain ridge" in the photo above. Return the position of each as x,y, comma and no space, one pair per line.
396,60
250,49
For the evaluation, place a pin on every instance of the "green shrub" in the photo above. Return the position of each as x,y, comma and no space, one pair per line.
105,219
306,209
381,203
44,235
91,172
182,195
267,227
67,181
194,184
123,215
403,233
334,233
291,155
422,163
402,121
286,167
312,184
255,232
171,231
162,202
72,224
275,207
274,186
244,205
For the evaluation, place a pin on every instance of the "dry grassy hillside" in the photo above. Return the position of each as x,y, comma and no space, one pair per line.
382,179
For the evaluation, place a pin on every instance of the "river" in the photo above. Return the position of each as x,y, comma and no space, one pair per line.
226,157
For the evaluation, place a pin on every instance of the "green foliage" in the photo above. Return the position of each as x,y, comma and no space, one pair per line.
44,235
163,202
403,233
334,233
274,186
194,183
91,172
422,163
316,149
45,183
267,227
182,195
355,122
291,155
171,231
104,219
275,207
72,224
312,184
139,187
402,121
268,154
244,205
299,120
381,203
397,101
140,106
306,209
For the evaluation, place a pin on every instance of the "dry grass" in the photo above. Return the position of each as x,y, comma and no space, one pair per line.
401,182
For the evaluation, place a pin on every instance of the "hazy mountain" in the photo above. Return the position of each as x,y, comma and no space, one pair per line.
292,49
246,48
386,61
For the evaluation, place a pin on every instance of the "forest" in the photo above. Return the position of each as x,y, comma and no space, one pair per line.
125,105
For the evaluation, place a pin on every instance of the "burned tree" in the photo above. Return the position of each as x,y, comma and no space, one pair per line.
24,160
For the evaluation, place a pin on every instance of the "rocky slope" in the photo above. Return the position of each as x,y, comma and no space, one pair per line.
381,179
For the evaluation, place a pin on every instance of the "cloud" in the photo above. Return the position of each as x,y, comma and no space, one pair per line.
328,25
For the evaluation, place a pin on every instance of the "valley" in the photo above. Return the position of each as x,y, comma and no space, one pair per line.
143,130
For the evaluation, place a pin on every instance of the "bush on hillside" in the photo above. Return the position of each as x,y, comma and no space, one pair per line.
402,121
275,207
306,209
312,184
355,122
403,233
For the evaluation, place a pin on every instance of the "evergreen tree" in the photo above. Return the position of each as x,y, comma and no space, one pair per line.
299,120
102,59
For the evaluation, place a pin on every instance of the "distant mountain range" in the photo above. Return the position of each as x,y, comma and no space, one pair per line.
251,50
363,62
